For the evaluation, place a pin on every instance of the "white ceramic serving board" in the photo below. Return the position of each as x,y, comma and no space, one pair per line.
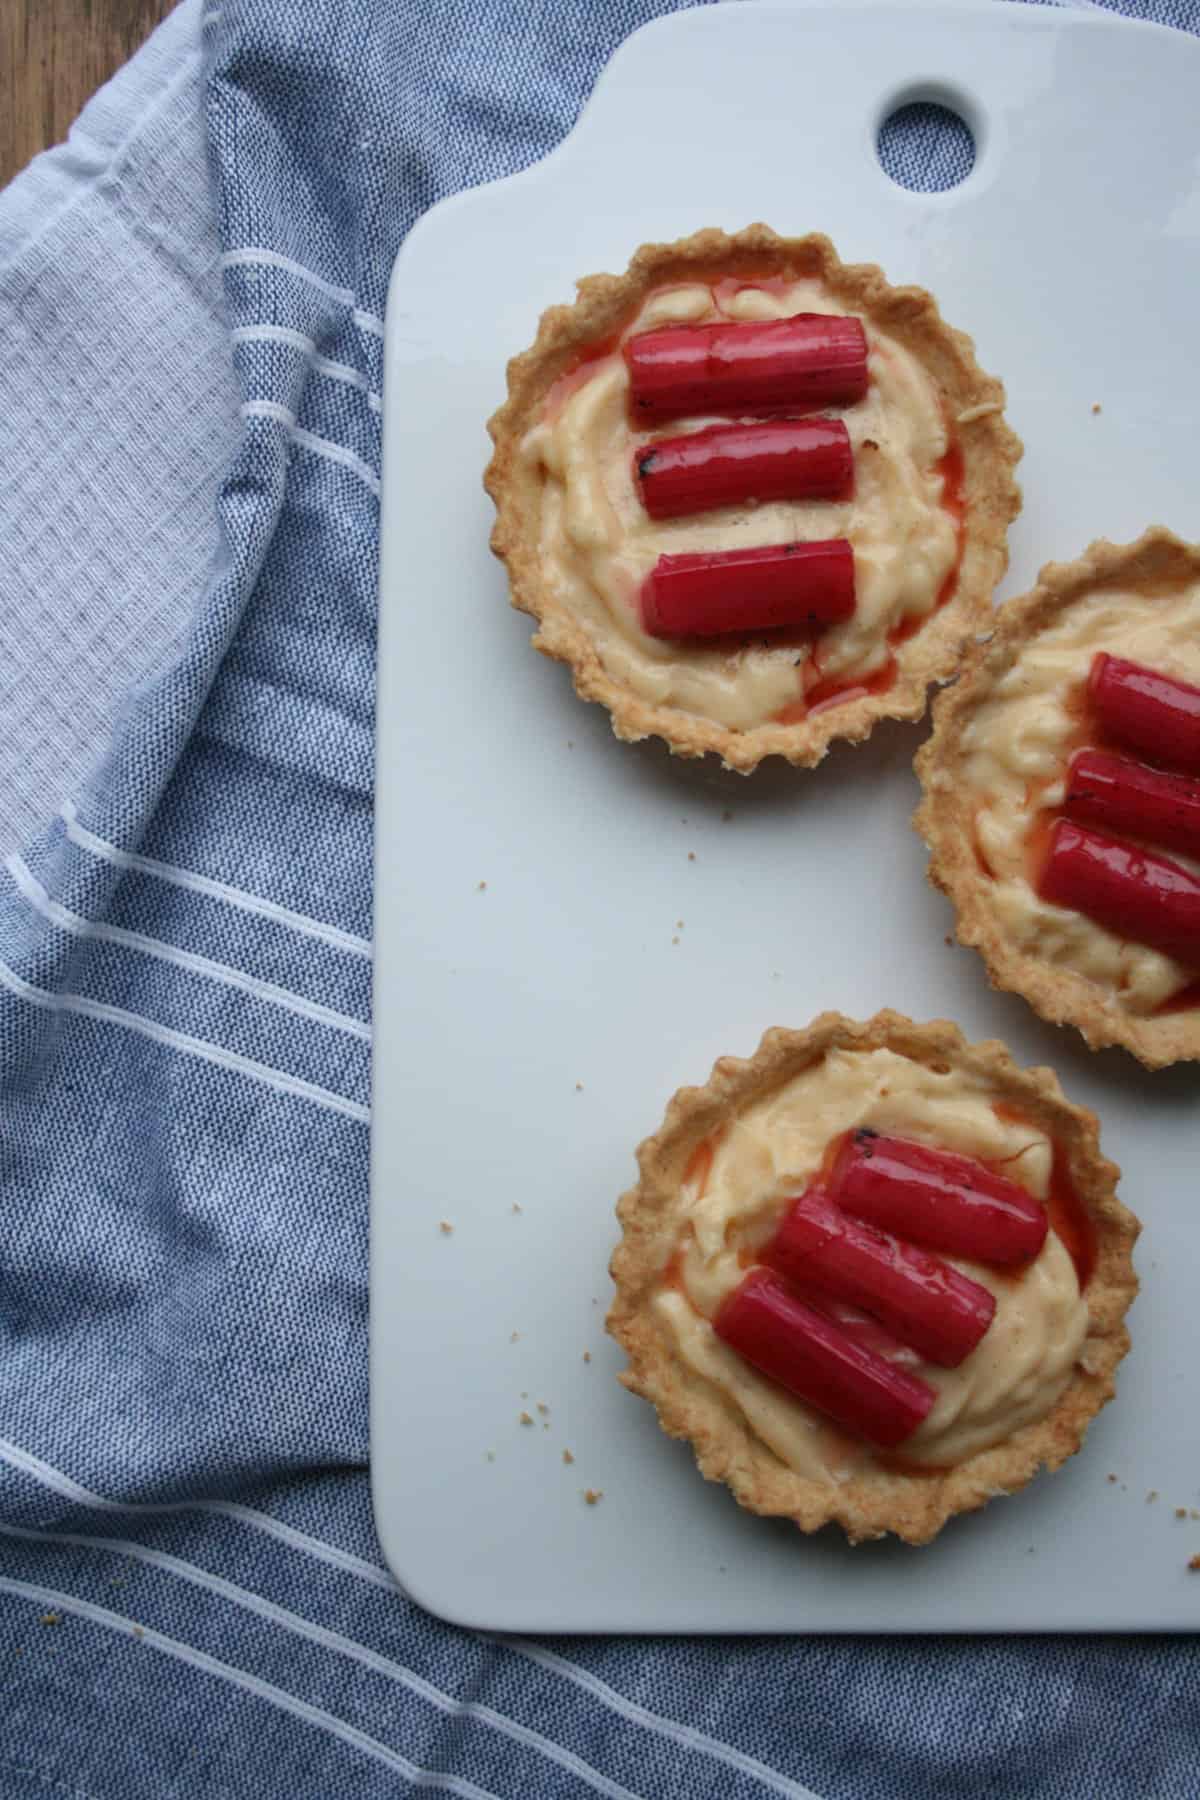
1072,254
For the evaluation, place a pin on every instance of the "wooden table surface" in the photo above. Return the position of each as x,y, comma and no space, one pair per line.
54,54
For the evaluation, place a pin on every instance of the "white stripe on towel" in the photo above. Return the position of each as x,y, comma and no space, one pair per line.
254,256
335,1640
688,1737
66,920
216,890
330,1554
308,440
279,1079
297,340
250,1684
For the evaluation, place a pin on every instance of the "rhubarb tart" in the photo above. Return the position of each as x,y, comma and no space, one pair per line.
755,497
1062,797
876,1275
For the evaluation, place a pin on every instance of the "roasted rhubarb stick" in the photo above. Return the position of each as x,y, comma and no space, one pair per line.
712,593
1152,713
728,465
1132,893
937,1198
774,366
824,1252
805,1352
1126,796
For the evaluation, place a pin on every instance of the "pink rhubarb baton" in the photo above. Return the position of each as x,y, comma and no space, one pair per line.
1126,796
937,1198
769,367
713,593
1146,711
814,1359
728,465
824,1252
1130,892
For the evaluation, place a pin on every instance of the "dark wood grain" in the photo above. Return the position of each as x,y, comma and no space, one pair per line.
54,54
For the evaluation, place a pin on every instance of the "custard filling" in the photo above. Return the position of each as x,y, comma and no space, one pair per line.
1017,747
735,1201
597,543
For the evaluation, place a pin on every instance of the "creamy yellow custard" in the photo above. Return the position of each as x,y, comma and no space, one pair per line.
1016,749
597,544
772,1149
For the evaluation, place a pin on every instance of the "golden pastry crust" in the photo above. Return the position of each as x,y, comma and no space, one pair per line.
914,1506
1157,559
974,403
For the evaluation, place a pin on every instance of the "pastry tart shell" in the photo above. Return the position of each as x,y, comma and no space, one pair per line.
912,1505
1157,559
974,405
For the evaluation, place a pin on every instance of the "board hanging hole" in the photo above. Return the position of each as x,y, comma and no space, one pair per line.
925,147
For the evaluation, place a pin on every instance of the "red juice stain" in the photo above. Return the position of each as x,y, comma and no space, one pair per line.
1182,1000
579,370
700,1162
833,692
672,1274
1068,1216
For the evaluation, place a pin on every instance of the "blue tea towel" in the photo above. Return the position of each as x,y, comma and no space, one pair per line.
192,1602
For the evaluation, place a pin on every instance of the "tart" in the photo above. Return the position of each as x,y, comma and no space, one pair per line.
755,497
875,1274
1062,797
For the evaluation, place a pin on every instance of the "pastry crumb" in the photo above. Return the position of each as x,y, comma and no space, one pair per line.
592,1495
674,940
1194,1561
1111,1478
524,1395
948,941
542,1407
482,888
51,1618
524,1418
1152,1495
1096,407
490,1455
514,1337
679,924
445,1227
579,1087
1181,1512
587,1356
1192,1513
517,1208
691,856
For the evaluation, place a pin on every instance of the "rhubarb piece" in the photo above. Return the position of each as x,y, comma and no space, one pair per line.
1126,796
937,1198
867,1332
772,366
805,1352
1133,893
1146,711
922,1300
726,465
710,593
